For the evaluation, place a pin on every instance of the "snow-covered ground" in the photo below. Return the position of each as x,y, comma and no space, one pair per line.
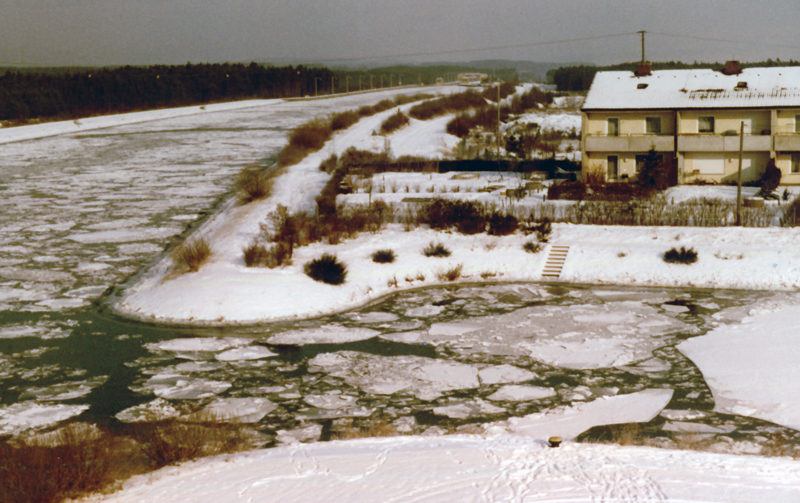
498,469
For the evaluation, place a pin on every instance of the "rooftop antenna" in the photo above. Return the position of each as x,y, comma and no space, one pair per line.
642,32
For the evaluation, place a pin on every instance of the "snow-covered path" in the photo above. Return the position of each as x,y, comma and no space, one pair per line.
468,469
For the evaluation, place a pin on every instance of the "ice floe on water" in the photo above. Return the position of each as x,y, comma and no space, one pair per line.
521,393
464,409
42,330
30,414
63,391
245,353
182,387
243,410
585,336
326,334
569,422
154,410
211,344
424,378
751,368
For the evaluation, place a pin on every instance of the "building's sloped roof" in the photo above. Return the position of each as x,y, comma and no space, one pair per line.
765,87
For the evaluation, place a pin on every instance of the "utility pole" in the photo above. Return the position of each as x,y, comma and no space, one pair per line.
643,32
498,120
739,179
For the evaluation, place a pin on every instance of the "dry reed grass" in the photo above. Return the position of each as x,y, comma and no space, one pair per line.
190,255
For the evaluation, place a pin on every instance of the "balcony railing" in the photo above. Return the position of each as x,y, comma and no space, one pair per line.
723,143
787,142
630,143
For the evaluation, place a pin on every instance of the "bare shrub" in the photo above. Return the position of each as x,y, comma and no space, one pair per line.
467,217
447,104
383,256
371,429
502,225
344,120
173,441
451,274
791,214
595,175
436,250
252,184
329,164
74,461
394,122
392,282
326,269
682,256
255,254
488,274
532,247
190,255
305,139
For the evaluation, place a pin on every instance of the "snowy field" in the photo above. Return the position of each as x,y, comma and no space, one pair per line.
466,468
515,362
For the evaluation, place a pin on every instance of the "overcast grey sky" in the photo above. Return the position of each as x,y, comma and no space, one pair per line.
113,32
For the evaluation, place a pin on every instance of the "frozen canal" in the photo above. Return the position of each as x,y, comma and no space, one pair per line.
81,213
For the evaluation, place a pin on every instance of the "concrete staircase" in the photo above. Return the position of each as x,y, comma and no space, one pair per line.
555,262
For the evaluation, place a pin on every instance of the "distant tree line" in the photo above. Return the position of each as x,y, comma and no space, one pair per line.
82,93
67,93
579,78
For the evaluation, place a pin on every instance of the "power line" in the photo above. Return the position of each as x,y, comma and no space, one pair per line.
479,49
708,39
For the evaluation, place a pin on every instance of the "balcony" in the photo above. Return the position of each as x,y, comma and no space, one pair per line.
787,142
723,143
630,143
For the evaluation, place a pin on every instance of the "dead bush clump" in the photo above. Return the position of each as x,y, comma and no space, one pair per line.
436,250
451,274
394,122
502,225
682,256
173,441
383,257
190,255
75,461
344,120
326,269
532,247
252,184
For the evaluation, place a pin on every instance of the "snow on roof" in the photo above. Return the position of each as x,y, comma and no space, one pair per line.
704,88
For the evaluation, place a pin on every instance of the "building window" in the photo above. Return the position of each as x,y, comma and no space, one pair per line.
653,125
613,127
705,124
795,163
613,167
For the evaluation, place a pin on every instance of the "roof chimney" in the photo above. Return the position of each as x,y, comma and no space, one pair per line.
644,69
732,68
